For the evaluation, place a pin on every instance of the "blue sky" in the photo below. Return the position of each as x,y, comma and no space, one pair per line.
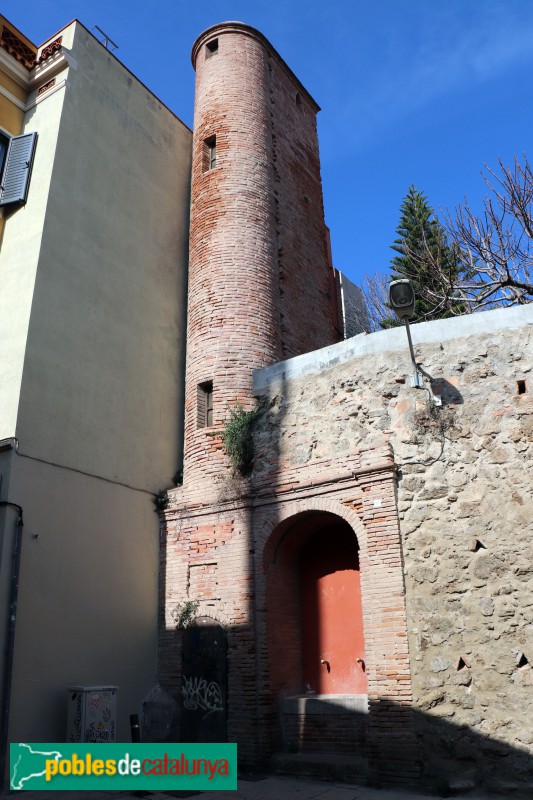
411,91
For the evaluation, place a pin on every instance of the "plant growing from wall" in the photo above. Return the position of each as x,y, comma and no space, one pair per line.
431,422
177,478
238,438
184,613
161,501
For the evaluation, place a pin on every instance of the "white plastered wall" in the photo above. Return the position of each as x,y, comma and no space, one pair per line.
97,263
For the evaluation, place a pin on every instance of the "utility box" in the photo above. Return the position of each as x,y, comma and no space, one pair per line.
92,714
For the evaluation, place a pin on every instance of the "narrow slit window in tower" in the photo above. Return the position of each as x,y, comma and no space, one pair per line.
210,153
205,404
211,48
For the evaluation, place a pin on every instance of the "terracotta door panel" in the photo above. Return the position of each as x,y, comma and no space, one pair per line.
332,622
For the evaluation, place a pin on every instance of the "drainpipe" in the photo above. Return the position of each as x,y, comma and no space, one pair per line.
10,647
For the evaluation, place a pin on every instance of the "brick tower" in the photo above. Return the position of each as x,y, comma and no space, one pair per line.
261,289
260,283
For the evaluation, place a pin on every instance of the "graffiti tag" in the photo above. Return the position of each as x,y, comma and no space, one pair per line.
198,693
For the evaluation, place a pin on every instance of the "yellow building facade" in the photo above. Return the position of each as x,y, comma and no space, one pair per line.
17,59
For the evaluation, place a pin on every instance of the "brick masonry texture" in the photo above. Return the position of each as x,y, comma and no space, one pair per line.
252,595
261,288
260,284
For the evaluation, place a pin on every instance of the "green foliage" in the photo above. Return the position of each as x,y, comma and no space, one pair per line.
425,257
238,438
161,501
184,613
177,478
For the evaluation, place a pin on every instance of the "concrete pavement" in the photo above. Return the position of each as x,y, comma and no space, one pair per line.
261,788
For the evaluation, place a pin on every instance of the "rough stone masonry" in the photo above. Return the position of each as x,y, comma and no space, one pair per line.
464,501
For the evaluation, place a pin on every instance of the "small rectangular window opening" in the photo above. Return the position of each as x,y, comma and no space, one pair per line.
205,404
211,48
210,153
521,387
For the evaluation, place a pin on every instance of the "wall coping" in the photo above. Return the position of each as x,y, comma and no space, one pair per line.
394,339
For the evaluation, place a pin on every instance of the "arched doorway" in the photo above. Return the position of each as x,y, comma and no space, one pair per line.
204,682
315,635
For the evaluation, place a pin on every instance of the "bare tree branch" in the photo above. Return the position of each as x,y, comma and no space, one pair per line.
497,246
375,293
473,261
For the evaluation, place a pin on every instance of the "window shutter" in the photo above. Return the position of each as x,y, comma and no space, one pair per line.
17,170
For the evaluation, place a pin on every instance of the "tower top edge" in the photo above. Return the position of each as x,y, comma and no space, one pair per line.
234,26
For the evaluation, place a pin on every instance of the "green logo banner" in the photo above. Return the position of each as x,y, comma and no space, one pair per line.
108,767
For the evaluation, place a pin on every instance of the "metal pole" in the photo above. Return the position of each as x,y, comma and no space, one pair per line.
408,329
416,380
8,676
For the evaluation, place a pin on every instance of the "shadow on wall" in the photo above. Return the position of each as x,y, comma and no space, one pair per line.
189,672
449,394
450,758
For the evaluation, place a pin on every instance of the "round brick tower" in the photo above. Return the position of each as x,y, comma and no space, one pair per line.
233,313
261,289
259,282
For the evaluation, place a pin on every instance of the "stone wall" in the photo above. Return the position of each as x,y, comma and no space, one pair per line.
464,482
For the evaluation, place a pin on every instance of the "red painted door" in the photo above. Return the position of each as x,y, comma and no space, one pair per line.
332,619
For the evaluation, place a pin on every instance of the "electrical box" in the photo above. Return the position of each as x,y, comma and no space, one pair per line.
92,714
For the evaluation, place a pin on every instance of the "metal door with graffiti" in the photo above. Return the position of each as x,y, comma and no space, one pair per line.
204,682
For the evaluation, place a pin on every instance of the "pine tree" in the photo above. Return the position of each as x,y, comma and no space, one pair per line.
425,258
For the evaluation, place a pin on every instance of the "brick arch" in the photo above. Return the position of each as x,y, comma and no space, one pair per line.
280,519
385,625
386,649
274,578
216,614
